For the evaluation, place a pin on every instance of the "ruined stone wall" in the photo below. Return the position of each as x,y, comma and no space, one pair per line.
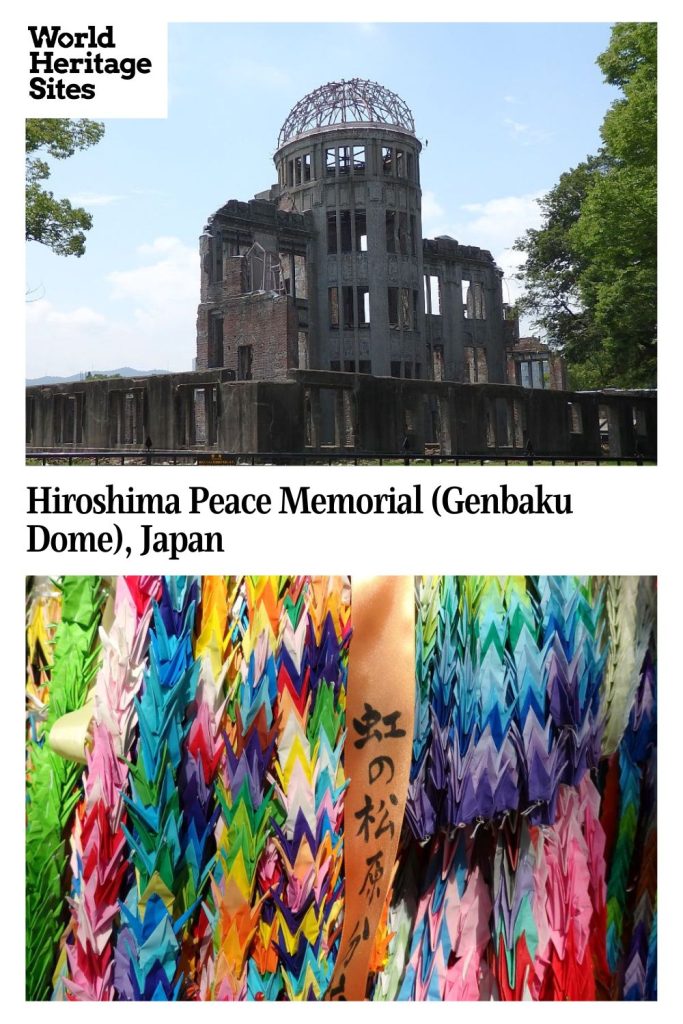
263,318
465,307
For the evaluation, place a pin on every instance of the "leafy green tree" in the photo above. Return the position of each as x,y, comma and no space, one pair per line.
616,234
55,222
552,271
591,269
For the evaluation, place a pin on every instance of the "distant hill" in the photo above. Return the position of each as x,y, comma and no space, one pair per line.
122,371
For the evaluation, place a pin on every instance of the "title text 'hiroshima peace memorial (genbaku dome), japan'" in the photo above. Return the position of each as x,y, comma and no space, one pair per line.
327,322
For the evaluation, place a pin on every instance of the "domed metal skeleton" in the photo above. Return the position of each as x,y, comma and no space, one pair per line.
354,102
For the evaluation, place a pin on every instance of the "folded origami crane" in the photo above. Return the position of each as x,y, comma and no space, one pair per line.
193,744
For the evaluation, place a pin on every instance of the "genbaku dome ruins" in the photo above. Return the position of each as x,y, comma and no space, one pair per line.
326,322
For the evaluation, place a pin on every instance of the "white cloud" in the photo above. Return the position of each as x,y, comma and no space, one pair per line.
525,133
149,322
82,316
494,224
432,211
516,127
64,341
162,244
164,292
43,311
510,99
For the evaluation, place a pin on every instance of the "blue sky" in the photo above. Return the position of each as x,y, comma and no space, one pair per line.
506,109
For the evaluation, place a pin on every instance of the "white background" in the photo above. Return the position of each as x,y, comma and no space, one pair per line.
143,95
626,520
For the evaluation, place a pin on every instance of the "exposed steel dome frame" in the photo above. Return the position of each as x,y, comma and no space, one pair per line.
356,101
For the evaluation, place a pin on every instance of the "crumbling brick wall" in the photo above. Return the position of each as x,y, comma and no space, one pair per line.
264,322
268,324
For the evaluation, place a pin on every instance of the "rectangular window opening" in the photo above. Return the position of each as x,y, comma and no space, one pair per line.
405,316
302,345
245,356
330,162
359,159
215,353
387,159
639,421
519,414
69,414
30,418
575,418
474,305
345,225
300,279
490,426
309,432
465,285
331,232
361,231
437,362
390,219
199,425
363,297
411,166
433,294
328,417
504,421
333,306
286,272
470,365
344,159
403,234
392,295
347,302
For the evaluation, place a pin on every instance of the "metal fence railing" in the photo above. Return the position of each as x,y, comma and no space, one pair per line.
333,457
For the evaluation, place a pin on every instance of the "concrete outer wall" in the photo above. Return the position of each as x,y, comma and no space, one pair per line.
259,416
373,414
374,192
454,417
